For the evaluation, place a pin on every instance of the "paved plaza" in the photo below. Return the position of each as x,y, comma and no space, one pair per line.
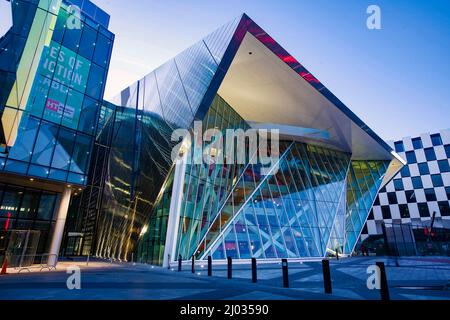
414,279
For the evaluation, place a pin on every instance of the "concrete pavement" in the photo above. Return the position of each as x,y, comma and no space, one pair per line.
414,279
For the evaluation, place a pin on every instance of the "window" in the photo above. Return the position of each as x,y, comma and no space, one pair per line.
430,154
87,42
417,182
423,168
399,146
377,201
81,154
404,211
102,17
417,143
423,210
43,150
398,185
405,172
101,53
11,201
38,171
63,149
437,180
444,166
28,206
16,166
386,212
46,206
430,194
71,39
392,198
88,116
410,196
436,139
26,136
411,157
364,230
444,208
89,8
447,190
447,150
96,82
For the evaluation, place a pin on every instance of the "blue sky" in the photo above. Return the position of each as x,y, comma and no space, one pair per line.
396,79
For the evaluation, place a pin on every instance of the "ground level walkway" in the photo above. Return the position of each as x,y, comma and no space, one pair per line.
414,278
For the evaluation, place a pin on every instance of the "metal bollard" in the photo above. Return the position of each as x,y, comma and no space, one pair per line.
284,266
193,265
179,262
230,267
254,275
384,289
87,260
209,266
326,275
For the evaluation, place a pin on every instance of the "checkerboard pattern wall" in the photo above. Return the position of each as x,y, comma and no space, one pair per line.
421,188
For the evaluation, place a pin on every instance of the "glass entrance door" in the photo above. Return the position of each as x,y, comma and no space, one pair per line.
73,247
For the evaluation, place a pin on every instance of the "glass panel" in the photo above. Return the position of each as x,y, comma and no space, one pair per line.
436,139
11,201
45,143
363,182
28,206
423,168
23,147
46,206
411,157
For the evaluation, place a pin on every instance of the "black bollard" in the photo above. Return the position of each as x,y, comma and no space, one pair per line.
384,289
168,259
254,275
230,267
193,265
209,266
179,262
284,266
326,275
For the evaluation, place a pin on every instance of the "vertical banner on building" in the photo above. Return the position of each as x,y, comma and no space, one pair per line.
57,93
40,32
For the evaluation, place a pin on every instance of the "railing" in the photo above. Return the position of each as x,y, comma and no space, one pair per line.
27,262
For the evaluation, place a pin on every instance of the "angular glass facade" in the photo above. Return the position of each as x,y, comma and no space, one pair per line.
140,203
207,185
364,181
136,148
286,215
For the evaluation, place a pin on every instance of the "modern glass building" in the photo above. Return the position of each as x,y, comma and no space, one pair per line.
108,167
53,67
314,200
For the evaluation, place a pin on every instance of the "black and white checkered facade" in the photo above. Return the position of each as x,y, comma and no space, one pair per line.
421,188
